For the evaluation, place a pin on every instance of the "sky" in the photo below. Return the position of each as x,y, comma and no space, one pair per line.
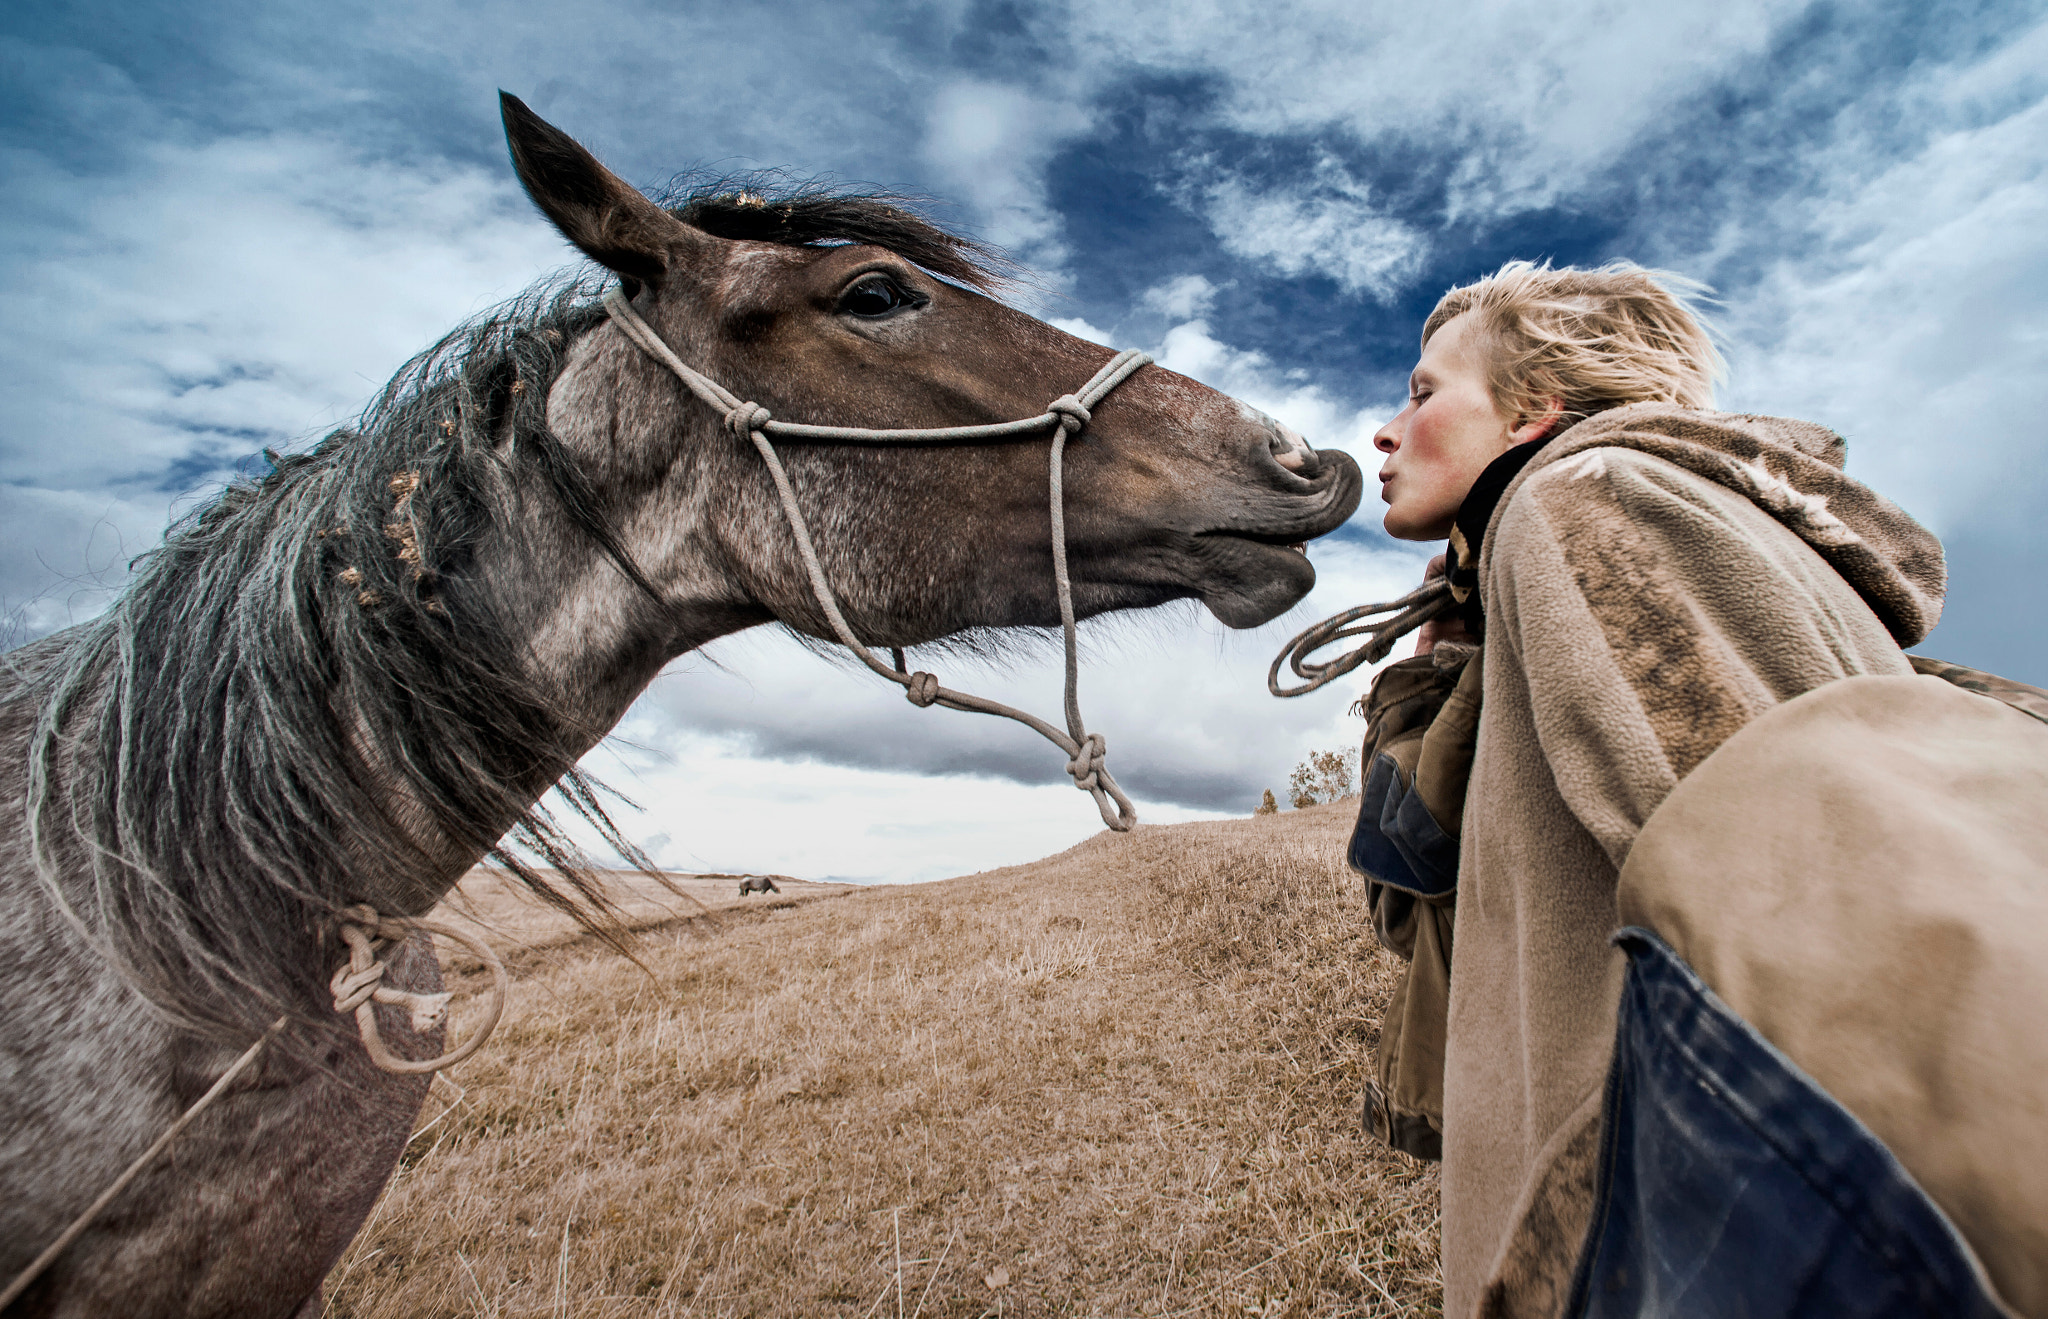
229,223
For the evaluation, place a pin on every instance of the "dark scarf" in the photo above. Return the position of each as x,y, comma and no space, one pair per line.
1468,530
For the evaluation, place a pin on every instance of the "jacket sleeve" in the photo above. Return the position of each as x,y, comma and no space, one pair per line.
1652,613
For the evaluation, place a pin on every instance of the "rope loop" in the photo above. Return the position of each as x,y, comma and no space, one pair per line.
1430,600
1086,765
359,983
743,419
922,689
1071,411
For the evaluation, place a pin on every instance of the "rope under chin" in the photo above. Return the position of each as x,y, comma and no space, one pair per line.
1429,601
1064,417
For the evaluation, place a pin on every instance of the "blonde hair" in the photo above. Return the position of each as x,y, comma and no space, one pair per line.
1597,338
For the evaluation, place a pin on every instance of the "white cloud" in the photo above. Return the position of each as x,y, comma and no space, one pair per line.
67,553
1081,329
1527,99
1915,320
223,297
1181,298
988,144
1286,395
1322,222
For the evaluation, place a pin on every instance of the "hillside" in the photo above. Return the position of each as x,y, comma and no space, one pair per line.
1119,1081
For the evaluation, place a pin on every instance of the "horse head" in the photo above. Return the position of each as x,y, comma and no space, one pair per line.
846,311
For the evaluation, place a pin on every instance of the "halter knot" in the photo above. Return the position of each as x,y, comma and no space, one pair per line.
1086,764
1071,411
922,689
361,980
359,983
746,418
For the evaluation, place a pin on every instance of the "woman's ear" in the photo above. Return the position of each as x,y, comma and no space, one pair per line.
608,218
1535,423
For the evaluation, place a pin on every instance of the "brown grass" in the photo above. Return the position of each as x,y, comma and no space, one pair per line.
1119,1081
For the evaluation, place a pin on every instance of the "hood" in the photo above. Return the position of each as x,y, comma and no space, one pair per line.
1792,470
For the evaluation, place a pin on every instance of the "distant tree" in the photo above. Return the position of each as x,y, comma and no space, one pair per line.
1267,805
1324,777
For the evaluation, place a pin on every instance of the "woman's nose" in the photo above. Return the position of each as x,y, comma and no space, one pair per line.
1386,441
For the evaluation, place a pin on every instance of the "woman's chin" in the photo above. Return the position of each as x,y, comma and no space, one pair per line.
1408,527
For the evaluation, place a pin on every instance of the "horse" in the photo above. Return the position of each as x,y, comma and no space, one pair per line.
757,884
344,682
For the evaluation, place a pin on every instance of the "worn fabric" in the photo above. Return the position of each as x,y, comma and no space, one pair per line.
1651,582
1731,1186
1878,910
1421,720
1403,1102
2030,701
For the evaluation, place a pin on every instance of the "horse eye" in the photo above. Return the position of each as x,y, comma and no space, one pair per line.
877,295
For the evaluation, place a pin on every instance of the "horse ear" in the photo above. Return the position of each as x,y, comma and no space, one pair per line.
595,209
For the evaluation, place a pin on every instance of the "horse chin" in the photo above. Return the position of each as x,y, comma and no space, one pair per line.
1250,582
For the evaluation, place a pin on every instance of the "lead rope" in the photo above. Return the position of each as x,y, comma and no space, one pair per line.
1430,600
355,986
1065,416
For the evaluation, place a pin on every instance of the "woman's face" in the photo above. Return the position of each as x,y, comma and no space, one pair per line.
1439,444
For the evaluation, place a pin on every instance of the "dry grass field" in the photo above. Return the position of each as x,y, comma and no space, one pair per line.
1119,1081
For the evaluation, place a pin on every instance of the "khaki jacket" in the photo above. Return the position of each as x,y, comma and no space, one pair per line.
1653,580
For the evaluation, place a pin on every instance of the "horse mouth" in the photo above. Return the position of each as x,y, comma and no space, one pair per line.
1249,575
1247,580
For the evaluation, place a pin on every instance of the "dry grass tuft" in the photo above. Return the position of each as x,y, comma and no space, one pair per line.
1119,1081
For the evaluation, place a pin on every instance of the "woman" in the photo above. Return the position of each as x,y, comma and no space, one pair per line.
1647,577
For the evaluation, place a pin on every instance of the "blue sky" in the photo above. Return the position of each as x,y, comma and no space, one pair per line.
230,222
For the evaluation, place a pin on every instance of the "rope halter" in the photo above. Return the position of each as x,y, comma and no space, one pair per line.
1064,418
360,983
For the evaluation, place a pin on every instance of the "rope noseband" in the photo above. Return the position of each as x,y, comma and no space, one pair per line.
1064,417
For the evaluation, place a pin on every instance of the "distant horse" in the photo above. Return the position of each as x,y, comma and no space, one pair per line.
345,682
757,884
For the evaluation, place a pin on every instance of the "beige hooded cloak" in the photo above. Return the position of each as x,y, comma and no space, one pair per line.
1653,580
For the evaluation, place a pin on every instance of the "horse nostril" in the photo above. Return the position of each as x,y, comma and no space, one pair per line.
1292,452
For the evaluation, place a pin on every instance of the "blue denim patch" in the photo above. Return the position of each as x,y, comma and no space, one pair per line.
1731,1184
1397,842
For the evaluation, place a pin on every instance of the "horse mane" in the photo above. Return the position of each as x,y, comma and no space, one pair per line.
213,765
